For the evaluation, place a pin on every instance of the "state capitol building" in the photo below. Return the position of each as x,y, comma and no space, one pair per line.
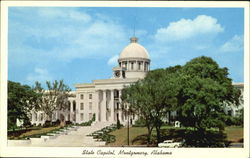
103,97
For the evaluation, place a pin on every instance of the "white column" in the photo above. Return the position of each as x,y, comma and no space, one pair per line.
104,107
143,64
71,111
120,107
136,65
112,109
33,117
97,106
71,106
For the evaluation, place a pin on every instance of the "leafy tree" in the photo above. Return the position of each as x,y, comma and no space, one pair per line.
204,91
162,89
54,98
154,97
132,97
21,99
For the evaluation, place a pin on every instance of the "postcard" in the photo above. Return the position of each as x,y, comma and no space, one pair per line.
124,79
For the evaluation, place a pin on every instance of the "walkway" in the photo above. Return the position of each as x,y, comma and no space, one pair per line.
76,138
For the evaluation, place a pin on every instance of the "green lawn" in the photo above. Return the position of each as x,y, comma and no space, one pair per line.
234,133
138,135
121,135
35,132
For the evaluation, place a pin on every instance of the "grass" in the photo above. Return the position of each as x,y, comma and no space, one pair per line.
234,133
36,132
138,135
121,135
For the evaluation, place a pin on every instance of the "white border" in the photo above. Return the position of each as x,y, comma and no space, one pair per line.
76,151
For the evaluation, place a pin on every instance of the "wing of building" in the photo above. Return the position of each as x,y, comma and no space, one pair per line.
103,97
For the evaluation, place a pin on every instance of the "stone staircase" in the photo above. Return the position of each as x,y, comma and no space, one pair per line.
75,137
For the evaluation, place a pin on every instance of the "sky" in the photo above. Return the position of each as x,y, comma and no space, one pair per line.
81,44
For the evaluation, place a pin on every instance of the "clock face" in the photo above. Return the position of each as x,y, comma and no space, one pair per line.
117,73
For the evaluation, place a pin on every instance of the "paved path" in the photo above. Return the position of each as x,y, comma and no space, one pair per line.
76,138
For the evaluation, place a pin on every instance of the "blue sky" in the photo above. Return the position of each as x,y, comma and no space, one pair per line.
79,45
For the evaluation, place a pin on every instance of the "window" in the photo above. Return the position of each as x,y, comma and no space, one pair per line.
82,116
116,95
90,96
90,116
117,106
132,65
90,105
139,65
82,106
145,65
82,96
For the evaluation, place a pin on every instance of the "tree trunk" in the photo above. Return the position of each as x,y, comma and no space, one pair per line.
169,118
158,132
149,135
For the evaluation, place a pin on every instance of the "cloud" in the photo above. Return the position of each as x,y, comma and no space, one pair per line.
235,44
113,60
70,14
40,75
188,28
61,34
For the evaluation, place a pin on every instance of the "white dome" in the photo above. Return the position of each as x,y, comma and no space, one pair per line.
134,50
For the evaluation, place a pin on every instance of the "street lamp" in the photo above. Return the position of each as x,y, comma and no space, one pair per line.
128,128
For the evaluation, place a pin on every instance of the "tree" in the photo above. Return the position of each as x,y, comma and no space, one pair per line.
153,97
54,98
135,96
162,89
21,99
204,91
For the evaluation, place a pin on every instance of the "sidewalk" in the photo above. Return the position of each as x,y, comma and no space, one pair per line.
76,138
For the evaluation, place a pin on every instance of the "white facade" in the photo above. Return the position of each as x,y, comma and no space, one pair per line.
232,109
103,97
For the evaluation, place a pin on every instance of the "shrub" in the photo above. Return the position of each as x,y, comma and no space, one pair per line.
88,123
140,123
27,124
104,135
47,123
56,123
68,122
118,125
